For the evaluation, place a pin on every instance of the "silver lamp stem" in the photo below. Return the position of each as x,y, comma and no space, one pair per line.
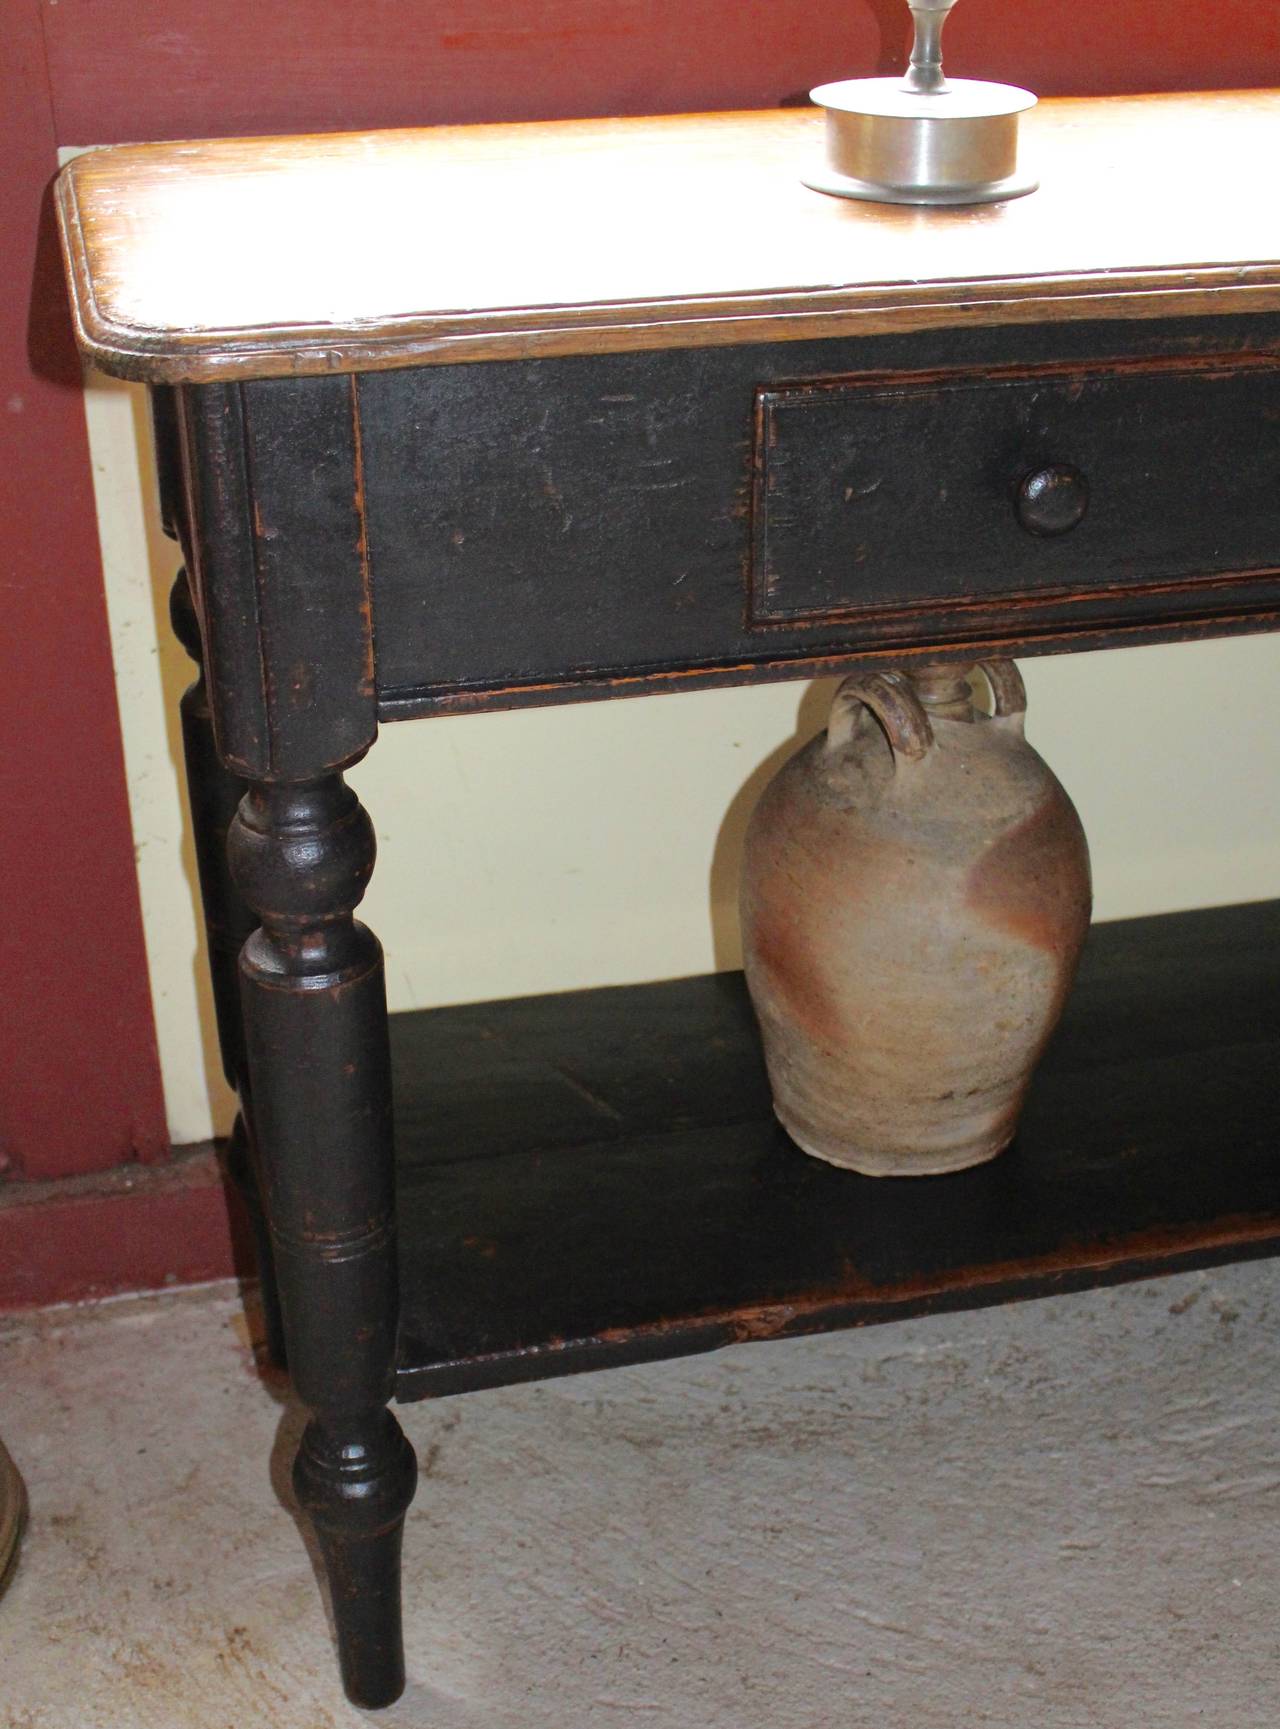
924,74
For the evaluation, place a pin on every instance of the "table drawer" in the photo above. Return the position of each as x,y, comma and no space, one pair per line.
546,529
882,494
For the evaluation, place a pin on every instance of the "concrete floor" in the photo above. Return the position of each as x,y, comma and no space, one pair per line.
1059,1515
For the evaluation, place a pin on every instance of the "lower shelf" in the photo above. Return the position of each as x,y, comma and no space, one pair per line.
595,1178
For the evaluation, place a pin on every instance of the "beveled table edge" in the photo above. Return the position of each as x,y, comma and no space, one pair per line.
174,355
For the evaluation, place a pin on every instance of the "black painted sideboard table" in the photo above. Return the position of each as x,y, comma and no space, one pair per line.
462,419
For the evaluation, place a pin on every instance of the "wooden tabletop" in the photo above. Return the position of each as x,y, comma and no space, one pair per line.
243,258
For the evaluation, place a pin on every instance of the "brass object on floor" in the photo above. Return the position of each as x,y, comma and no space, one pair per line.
13,1514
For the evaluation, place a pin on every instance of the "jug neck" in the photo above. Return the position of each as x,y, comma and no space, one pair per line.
944,691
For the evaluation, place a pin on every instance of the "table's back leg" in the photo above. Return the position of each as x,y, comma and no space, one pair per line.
213,794
319,1063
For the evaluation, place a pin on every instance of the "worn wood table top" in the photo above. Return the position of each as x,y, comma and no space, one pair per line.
244,258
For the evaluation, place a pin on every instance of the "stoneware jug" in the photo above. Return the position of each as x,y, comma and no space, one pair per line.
915,897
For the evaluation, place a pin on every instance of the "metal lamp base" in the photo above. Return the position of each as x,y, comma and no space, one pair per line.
877,192
924,139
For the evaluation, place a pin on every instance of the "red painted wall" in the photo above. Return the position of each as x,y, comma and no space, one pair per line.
79,1084
134,69
135,1228
79,1079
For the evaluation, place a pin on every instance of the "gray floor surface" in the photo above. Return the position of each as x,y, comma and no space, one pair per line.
1059,1515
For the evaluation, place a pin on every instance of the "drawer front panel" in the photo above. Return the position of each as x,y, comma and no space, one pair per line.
949,489
547,529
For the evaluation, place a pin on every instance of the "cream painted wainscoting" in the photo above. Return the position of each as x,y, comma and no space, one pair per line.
551,848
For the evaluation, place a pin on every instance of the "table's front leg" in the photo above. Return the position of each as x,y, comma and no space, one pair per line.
273,479
319,1066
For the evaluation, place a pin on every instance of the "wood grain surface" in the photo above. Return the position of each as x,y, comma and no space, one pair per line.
595,1177
256,257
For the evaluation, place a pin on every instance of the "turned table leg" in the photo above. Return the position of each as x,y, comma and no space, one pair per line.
213,794
316,1037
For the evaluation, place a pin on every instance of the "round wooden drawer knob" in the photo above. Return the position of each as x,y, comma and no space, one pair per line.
1052,500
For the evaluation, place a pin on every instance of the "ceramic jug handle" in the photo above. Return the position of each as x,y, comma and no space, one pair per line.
891,698
1008,693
